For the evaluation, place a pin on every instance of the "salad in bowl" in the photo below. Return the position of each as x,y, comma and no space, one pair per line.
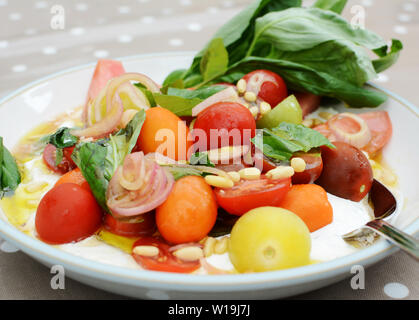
238,164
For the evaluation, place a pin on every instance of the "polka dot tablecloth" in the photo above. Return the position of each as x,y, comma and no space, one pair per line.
32,45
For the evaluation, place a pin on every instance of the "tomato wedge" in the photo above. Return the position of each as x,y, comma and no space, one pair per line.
165,260
250,194
66,164
144,227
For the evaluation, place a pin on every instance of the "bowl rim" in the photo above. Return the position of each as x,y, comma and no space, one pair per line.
35,247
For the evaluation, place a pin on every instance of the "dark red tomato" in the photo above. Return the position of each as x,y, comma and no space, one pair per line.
67,213
144,227
165,260
230,123
249,194
314,167
67,164
308,102
270,86
346,172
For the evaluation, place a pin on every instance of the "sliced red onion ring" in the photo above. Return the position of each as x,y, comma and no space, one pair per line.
227,95
154,185
358,139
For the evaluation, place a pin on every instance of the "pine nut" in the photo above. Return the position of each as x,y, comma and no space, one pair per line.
325,115
250,173
280,173
209,246
264,108
221,245
127,117
235,176
250,96
219,182
147,251
241,86
298,164
308,123
254,111
317,122
36,187
191,253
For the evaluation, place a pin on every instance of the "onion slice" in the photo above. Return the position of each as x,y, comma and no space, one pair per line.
227,95
137,187
358,139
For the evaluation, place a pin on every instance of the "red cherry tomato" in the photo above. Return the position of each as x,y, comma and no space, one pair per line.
234,121
67,213
165,260
144,227
314,167
346,172
308,102
270,86
67,164
249,194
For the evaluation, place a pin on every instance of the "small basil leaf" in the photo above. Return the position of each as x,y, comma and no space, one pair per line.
10,177
62,138
178,105
201,158
215,60
58,156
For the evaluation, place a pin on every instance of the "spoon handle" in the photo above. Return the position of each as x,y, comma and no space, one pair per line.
396,236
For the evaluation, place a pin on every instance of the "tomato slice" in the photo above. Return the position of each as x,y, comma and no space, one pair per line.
144,227
165,260
308,102
313,170
66,164
250,194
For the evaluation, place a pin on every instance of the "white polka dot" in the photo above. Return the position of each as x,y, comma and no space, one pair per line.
157,295
30,31
124,10
410,7
49,50
400,29
404,17
176,42
382,78
82,6
396,290
367,3
125,38
101,54
167,11
7,247
77,31
4,44
196,27
15,16
185,2
212,10
3,3
228,4
41,4
19,68
147,19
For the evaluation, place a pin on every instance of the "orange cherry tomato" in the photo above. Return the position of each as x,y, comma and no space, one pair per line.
164,132
67,213
189,213
250,194
165,260
145,226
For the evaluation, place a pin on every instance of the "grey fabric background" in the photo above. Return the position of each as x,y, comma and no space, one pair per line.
30,49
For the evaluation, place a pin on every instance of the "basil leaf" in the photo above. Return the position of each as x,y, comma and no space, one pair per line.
215,59
10,177
387,60
282,142
58,156
201,93
130,133
332,5
178,105
148,94
173,77
201,158
62,138
180,172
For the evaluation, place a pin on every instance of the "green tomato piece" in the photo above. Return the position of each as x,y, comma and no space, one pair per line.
269,238
288,110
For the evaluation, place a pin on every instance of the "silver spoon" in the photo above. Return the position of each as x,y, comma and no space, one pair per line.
384,204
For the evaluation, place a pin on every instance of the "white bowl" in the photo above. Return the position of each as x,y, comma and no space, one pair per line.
50,96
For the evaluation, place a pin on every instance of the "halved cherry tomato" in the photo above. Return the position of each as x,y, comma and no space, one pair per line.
144,227
308,102
249,194
346,172
233,122
74,176
67,213
314,167
271,87
67,164
165,260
